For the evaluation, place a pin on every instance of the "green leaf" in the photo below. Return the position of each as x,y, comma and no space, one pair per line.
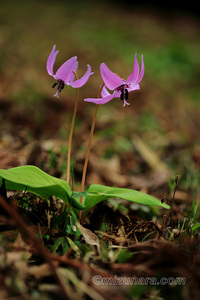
74,246
124,256
62,243
34,180
101,193
196,226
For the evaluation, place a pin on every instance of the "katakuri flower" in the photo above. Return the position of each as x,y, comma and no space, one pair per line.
66,73
121,87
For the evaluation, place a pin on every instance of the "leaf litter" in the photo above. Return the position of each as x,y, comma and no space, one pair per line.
153,249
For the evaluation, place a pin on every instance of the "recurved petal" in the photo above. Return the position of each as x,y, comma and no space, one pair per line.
65,71
142,71
80,82
134,75
111,80
100,100
51,60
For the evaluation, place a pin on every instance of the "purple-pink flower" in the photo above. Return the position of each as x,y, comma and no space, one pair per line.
121,87
65,74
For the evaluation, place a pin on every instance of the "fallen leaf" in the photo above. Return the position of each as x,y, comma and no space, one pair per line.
40,271
88,235
151,158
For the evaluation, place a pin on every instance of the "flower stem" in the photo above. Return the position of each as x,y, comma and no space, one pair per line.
71,132
88,150
70,140
89,144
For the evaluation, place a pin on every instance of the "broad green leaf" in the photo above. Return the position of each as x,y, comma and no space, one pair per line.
34,180
101,193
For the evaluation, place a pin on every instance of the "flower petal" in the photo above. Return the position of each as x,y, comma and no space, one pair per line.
134,75
141,72
51,60
72,76
133,87
100,100
65,71
111,80
80,82
104,92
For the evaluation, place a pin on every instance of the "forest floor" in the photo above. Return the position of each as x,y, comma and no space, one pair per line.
152,146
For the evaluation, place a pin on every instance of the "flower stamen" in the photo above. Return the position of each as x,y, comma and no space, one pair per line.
60,87
122,94
53,86
126,94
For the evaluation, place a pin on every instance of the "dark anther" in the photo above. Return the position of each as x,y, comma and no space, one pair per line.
53,86
122,94
62,85
126,94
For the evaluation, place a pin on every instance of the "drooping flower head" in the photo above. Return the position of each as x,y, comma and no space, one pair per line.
121,87
65,74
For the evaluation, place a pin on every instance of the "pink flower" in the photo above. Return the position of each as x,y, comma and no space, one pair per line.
121,88
65,74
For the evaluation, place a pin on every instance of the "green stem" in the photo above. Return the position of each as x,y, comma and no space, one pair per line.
71,133
172,202
88,150
70,140
89,146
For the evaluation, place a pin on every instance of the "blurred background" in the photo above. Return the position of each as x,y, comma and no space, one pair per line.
138,146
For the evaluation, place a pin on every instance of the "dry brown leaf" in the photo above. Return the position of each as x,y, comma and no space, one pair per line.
151,158
89,236
19,243
109,170
40,271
